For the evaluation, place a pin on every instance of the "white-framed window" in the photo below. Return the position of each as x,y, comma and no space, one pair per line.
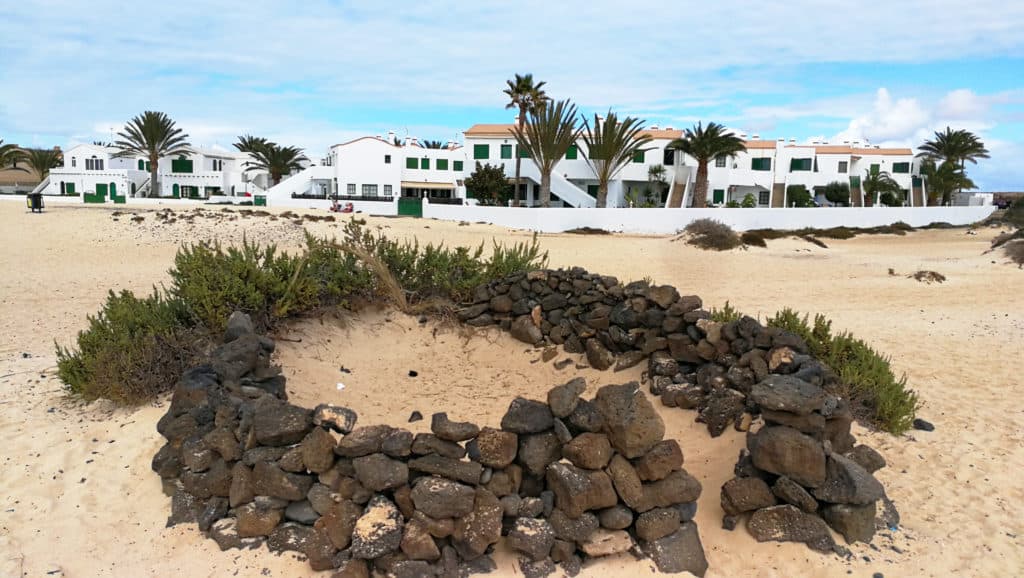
93,164
843,165
369,190
388,191
350,188
762,197
720,161
218,164
74,162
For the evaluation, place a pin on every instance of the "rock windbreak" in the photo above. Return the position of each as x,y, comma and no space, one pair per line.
564,481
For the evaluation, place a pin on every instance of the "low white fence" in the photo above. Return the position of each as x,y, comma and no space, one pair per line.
367,207
666,221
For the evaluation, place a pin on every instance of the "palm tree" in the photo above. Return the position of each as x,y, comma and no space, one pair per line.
877,183
955,146
704,144
546,137
611,145
528,97
276,160
152,135
433,144
10,156
42,160
250,144
942,180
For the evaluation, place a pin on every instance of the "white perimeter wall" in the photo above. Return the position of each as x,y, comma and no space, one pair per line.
367,207
666,221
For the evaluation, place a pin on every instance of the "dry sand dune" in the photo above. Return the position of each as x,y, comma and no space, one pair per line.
77,497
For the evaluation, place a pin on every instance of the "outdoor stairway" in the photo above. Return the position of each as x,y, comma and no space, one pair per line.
143,189
41,186
561,186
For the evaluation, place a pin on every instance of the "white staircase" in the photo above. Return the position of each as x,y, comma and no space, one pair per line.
143,189
41,186
298,183
561,186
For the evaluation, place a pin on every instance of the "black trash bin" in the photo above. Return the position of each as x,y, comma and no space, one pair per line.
35,202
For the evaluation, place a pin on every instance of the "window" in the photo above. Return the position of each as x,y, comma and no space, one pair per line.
718,196
592,190
369,190
844,166
523,153
442,164
762,198
387,159
148,166
73,161
901,167
142,165
799,165
668,158
411,163
506,151
351,188
94,164
763,164
425,163
875,168
638,156
572,153
720,161
218,164
181,165
456,165
388,191
481,151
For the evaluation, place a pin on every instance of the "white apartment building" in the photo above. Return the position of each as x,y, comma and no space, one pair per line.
96,174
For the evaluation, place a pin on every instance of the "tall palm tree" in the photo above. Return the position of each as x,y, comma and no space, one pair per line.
942,180
42,160
877,183
152,135
611,145
10,156
955,146
704,144
276,160
527,97
250,144
546,137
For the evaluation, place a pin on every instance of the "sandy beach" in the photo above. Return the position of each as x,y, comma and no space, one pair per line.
78,498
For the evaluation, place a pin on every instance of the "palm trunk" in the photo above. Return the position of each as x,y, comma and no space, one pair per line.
154,188
545,189
700,191
602,194
519,159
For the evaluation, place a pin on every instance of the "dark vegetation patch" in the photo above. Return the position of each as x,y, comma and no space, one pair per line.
927,277
709,234
587,231
1015,251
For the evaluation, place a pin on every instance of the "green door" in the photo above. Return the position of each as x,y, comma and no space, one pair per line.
113,194
410,206
176,191
100,196
69,189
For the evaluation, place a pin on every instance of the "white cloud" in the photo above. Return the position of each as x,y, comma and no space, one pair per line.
889,120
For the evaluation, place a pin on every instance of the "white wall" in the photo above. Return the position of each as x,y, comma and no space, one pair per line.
368,207
666,221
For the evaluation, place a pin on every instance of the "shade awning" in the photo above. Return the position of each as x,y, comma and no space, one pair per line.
426,185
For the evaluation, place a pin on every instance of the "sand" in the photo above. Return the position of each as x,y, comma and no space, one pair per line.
77,496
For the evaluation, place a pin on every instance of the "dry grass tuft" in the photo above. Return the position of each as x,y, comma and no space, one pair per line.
928,277
1015,251
711,235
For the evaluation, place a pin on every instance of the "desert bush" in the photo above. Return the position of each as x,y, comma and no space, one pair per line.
132,349
726,314
753,238
866,375
1005,237
749,202
1015,251
1015,214
711,235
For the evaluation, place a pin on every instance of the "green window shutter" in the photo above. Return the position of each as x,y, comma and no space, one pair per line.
718,196
761,164
901,167
638,156
142,165
572,153
506,151
799,165
481,151
442,164
425,163
456,165
148,166
523,153
874,169
916,182
410,163
854,182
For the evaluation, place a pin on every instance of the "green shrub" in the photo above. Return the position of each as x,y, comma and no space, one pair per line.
837,192
798,196
732,205
753,238
890,199
749,201
726,314
1015,214
132,350
712,235
865,374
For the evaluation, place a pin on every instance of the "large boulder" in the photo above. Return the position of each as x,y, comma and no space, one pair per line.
378,472
524,329
577,490
787,523
846,482
855,523
745,495
440,498
280,424
678,552
787,452
631,422
789,394
525,416
476,531
378,531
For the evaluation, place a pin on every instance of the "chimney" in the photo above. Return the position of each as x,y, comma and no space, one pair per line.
743,135
670,128
792,140
654,127
391,136
756,137
781,140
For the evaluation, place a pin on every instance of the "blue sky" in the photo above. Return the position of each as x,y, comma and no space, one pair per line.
320,72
